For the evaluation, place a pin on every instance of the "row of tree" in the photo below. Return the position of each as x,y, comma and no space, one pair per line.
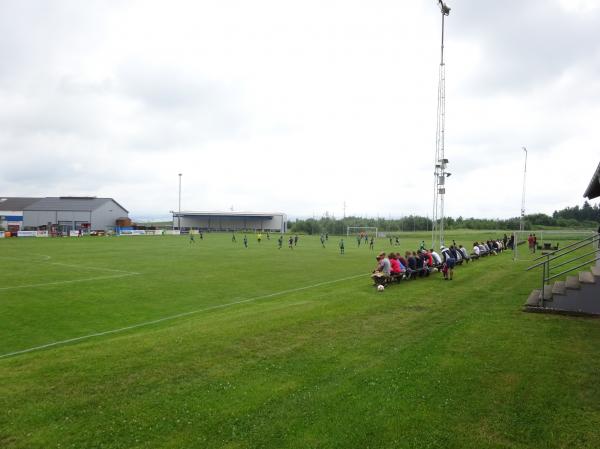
586,216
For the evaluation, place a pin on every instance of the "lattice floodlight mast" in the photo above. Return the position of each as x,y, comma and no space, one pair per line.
440,173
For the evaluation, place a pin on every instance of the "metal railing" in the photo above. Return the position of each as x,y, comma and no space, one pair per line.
556,254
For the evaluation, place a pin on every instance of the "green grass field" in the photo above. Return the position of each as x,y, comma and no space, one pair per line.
152,342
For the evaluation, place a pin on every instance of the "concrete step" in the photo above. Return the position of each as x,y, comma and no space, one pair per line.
573,282
547,293
534,299
559,288
586,277
596,270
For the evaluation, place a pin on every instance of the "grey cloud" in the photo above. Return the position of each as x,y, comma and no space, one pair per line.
525,44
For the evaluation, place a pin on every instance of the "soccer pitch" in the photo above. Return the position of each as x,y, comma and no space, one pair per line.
152,342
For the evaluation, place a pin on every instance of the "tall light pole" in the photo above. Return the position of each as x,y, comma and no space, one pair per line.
179,214
440,174
522,222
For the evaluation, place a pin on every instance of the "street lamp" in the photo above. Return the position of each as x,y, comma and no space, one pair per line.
179,214
522,222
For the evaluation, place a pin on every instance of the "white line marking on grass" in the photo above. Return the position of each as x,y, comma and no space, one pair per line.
123,273
173,317
72,281
80,267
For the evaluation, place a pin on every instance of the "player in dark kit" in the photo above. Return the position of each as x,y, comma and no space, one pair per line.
245,241
342,246
280,242
291,242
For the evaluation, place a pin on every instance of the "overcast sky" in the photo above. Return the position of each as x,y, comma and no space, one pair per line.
299,107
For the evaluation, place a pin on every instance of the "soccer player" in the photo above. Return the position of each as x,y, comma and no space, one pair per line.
233,237
295,239
280,242
358,240
259,237
342,246
201,235
291,242
192,238
322,240
245,241
371,243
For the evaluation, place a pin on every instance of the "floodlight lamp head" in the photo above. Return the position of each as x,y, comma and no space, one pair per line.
444,8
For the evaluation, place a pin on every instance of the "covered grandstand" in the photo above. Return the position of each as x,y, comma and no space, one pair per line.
230,221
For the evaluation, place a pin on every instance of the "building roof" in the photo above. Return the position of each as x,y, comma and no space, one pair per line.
593,189
70,203
227,214
16,203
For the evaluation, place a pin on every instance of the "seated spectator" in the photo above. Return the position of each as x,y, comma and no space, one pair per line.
411,268
456,255
402,260
429,258
396,268
379,275
437,260
423,263
387,266
419,264
464,253
482,250
476,251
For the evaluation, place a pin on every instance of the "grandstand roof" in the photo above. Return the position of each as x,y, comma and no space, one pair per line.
227,214
593,189
16,203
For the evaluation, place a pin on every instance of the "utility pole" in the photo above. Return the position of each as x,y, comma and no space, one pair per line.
522,221
440,173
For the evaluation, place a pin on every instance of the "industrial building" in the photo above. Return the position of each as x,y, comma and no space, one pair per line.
63,213
230,221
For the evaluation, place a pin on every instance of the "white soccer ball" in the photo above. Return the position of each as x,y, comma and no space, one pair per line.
380,288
